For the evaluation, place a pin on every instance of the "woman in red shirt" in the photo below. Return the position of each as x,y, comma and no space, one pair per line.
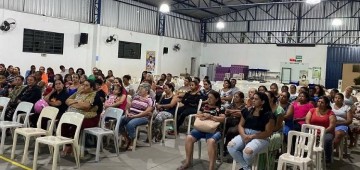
325,117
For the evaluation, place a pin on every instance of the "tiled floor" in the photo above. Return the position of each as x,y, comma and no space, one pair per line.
166,156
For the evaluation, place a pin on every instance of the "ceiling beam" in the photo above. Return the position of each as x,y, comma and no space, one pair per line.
238,5
191,6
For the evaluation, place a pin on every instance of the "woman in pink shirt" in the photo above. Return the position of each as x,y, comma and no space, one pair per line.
298,110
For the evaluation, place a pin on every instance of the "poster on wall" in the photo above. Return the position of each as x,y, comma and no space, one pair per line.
316,72
150,61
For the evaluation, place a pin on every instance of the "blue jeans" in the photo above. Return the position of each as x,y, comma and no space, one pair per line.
129,125
236,148
198,135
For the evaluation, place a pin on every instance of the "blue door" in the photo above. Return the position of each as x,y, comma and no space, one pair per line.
336,57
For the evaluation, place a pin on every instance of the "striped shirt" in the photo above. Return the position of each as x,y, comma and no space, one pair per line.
140,104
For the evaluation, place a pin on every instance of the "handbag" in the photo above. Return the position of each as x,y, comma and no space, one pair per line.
208,126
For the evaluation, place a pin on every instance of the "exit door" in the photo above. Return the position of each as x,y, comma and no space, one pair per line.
285,75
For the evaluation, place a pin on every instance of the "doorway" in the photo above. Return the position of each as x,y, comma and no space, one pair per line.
285,75
193,66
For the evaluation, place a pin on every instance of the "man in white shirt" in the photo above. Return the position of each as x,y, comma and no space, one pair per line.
63,71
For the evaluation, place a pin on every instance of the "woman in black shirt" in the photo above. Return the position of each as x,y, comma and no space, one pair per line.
255,128
190,101
57,97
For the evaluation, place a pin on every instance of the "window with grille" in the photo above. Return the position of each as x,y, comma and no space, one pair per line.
36,41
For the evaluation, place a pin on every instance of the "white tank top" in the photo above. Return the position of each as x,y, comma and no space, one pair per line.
348,101
341,112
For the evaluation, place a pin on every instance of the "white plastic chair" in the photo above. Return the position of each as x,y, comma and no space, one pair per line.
72,118
342,148
102,131
304,143
149,130
318,146
4,101
47,112
192,117
4,125
173,121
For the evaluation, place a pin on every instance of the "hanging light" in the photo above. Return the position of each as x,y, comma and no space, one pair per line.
164,8
313,1
220,25
336,22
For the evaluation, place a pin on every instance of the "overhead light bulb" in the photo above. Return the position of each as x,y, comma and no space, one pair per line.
164,8
336,22
313,1
220,25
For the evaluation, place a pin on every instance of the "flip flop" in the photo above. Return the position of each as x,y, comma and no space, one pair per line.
182,167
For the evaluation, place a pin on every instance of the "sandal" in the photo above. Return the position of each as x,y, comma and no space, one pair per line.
183,167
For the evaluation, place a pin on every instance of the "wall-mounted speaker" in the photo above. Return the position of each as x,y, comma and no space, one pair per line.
83,38
166,50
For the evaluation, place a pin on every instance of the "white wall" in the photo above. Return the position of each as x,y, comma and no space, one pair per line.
177,61
265,56
85,56
11,42
256,56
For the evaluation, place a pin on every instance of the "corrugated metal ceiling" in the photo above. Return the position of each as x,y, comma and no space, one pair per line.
201,13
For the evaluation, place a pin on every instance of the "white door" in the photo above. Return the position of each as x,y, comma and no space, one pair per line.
193,66
285,75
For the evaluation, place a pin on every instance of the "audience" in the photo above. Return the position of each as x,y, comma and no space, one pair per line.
252,124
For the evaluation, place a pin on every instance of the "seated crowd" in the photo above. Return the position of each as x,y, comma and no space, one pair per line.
247,124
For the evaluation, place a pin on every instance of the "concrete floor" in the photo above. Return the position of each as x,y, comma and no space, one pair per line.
166,156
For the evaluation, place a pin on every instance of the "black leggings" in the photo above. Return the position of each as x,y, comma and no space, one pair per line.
183,112
231,128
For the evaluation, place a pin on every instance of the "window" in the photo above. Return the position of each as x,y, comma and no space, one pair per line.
356,68
36,41
129,50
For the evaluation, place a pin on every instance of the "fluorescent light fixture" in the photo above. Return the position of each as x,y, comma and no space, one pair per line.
313,1
164,8
336,22
220,25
